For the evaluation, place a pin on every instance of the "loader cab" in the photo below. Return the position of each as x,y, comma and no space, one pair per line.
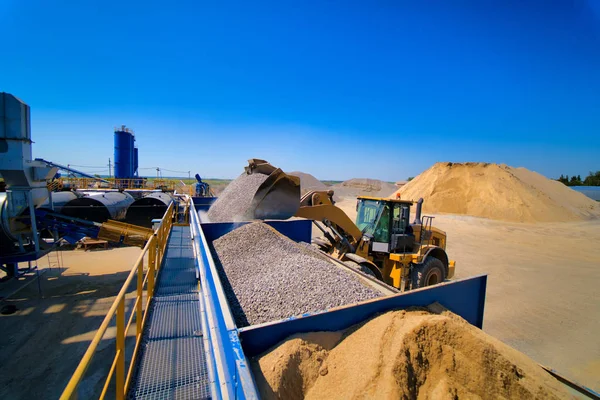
386,222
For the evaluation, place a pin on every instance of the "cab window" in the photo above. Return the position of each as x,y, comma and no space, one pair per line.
382,232
366,216
401,215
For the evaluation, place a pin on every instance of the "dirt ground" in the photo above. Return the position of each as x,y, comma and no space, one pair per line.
542,299
42,343
542,293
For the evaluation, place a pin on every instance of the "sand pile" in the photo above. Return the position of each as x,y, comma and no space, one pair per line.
402,355
363,187
268,277
308,182
498,192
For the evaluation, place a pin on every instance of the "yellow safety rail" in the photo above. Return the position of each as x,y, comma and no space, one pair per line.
55,185
183,210
183,188
155,248
132,183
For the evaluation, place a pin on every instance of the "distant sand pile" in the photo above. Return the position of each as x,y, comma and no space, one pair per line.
402,355
308,182
498,192
364,187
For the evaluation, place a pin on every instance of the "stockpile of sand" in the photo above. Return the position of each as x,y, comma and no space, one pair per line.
402,355
498,192
363,187
308,182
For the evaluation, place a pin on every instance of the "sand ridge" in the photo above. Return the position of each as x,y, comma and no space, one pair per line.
363,187
402,354
497,191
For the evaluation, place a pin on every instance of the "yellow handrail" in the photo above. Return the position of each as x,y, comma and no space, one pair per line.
155,248
127,183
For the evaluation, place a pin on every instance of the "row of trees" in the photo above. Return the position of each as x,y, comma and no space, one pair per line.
593,179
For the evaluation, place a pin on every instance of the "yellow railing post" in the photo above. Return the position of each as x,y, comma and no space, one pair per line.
151,266
120,370
158,249
140,295
155,248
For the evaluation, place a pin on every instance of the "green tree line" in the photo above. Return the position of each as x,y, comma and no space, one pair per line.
593,179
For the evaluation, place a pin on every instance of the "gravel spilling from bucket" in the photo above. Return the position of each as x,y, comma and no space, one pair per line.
268,277
232,205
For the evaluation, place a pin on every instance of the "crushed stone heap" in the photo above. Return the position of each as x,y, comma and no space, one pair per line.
268,277
233,203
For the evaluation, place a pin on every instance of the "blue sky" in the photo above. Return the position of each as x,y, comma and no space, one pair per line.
336,89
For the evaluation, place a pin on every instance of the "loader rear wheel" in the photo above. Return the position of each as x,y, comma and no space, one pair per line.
430,273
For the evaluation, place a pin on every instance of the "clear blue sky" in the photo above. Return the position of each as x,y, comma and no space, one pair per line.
336,89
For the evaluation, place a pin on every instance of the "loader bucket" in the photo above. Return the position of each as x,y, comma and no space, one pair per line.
278,197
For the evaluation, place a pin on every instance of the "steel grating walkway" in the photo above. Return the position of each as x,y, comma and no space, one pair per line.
172,363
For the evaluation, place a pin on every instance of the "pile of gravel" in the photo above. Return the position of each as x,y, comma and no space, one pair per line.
232,205
308,182
268,277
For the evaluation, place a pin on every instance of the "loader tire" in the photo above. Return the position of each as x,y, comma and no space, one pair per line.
322,244
430,273
362,267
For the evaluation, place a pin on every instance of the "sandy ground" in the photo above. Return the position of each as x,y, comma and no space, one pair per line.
42,343
542,294
542,299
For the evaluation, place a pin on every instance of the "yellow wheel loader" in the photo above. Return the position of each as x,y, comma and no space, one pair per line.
381,243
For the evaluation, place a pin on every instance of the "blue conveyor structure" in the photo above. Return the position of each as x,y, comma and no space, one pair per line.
192,347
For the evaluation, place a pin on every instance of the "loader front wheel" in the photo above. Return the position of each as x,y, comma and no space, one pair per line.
322,244
430,273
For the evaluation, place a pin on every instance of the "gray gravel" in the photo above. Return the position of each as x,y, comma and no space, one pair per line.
268,277
233,203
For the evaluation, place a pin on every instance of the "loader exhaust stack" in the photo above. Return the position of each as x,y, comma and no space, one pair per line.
418,212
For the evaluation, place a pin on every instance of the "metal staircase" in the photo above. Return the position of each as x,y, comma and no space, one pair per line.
172,363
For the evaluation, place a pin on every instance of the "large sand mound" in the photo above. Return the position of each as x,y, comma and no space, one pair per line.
402,355
363,187
498,192
308,182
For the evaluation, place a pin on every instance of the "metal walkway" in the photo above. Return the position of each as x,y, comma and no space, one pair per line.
172,362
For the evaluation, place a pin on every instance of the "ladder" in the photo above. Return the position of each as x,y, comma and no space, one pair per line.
55,259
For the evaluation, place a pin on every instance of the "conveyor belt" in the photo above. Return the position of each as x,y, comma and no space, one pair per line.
172,363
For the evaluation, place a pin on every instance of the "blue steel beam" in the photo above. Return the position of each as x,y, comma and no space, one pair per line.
232,375
203,203
465,297
75,171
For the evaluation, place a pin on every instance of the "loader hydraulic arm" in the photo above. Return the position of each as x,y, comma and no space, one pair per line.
319,206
